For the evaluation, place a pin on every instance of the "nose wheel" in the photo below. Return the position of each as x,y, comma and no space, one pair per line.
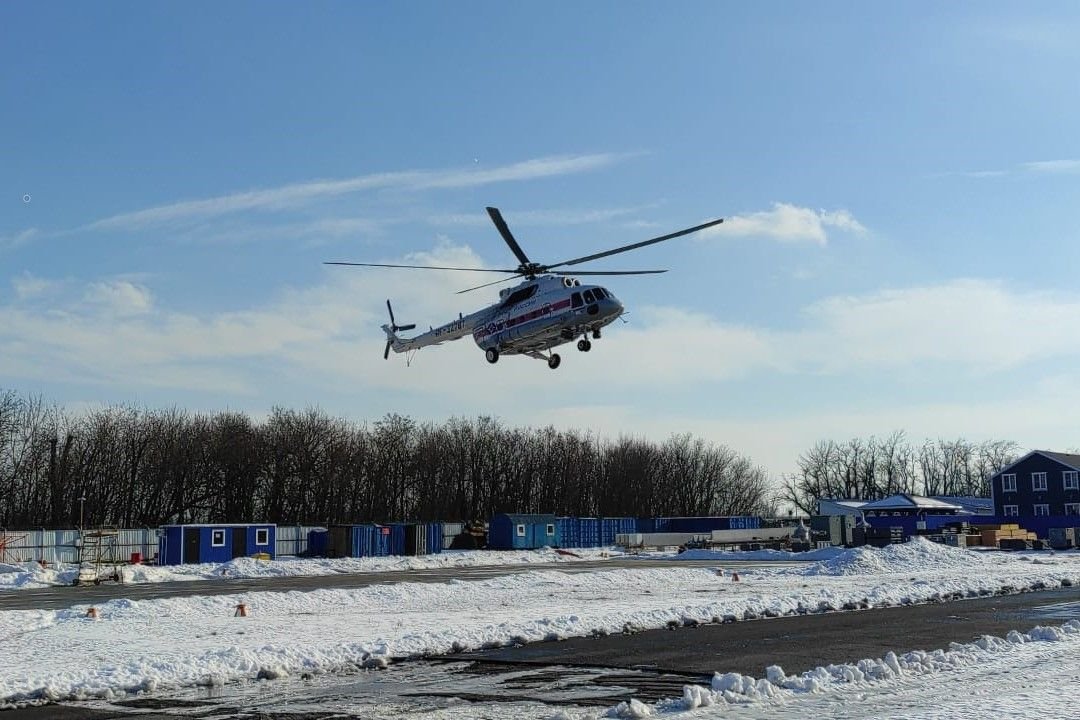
492,355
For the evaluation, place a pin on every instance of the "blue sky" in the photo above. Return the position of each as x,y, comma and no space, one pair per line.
901,185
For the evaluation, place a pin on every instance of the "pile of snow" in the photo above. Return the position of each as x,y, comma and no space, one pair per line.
735,689
758,555
918,553
32,575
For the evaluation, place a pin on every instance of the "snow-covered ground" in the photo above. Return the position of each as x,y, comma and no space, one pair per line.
33,575
177,642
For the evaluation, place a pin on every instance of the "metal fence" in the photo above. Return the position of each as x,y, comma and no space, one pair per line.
62,546
56,546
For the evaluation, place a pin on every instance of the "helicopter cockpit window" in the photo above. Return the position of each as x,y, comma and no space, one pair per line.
575,300
519,295
600,293
588,296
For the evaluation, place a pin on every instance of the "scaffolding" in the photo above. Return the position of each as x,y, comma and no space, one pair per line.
98,559
6,541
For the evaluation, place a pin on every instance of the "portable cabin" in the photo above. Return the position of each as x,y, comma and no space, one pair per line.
189,544
371,540
523,532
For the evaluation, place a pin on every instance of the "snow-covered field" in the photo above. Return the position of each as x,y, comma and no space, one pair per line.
32,575
177,642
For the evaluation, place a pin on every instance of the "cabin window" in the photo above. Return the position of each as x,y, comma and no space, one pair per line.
1008,482
575,300
1038,481
521,530
588,296
1010,510
550,529
262,536
1042,509
1070,477
217,538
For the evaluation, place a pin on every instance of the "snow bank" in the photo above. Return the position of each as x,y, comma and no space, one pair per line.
32,575
732,688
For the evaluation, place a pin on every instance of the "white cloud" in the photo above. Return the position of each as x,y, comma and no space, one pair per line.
1058,167
29,286
11,242
527,218
977,324
290,196
120,297
1039,167
788,223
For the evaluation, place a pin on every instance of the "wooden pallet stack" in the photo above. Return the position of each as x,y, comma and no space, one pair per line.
1011,533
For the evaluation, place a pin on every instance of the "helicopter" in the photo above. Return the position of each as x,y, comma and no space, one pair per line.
549,308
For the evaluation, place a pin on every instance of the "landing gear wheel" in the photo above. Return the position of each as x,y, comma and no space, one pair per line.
492,355
596,334
584,345
554,360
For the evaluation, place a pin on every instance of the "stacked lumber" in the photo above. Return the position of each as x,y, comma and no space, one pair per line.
992,535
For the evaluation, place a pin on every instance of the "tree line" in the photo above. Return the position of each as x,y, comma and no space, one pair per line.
873,468
132,467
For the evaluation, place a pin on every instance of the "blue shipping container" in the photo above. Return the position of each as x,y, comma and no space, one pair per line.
522,532
187,544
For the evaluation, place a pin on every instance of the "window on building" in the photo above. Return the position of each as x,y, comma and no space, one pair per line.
1010,510
1070,479
217,538
1008,482
1038,481
521,530
550,529
1042,509
1072,508
262,536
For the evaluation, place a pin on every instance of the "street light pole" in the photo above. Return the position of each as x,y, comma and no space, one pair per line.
82,500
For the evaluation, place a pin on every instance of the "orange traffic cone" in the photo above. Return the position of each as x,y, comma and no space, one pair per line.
241,610
92,613
735,577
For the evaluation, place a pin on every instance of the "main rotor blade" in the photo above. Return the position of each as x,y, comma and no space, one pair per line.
494,282
636,245
422,267
607,272
504,230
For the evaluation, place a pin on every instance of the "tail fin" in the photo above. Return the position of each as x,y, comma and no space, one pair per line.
392,340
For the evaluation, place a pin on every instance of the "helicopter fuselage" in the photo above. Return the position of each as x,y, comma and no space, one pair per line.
543,313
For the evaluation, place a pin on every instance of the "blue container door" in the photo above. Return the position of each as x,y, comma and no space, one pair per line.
590,532
434,538
567,532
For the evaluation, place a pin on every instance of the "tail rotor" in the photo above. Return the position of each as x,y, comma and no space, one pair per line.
392,328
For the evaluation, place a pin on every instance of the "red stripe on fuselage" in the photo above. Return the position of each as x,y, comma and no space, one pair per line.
541,311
